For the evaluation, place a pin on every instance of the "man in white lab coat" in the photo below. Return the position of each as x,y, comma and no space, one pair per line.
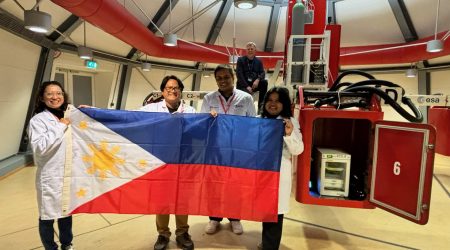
171,88
227,100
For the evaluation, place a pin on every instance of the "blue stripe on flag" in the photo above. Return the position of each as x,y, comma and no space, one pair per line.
226,140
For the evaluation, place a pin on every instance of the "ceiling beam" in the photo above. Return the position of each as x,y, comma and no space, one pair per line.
66,28
159,18
404,20
219,21
107,56
273,26
271,3
162,14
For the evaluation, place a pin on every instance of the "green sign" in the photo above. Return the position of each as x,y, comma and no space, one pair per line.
91,64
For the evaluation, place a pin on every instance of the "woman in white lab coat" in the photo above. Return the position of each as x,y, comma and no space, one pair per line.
46,133
277,105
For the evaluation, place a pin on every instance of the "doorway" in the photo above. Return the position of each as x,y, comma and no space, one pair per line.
79,85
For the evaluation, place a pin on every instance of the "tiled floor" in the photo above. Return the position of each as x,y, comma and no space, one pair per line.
306,226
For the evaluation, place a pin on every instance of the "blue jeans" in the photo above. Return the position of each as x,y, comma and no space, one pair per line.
47,233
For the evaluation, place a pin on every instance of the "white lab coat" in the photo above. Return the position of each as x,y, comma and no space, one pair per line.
46,135
293,145
162,107
241,103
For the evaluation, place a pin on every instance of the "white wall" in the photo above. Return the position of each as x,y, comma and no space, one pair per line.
17,72
104,81
440,82
104,76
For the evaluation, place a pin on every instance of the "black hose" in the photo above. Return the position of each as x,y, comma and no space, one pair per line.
370,86
335,85
373,82
376,82
418,117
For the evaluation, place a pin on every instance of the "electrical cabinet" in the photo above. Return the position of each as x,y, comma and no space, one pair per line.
391,162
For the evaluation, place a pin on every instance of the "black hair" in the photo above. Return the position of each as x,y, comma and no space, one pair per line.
283,97
40,105
226,67
167,78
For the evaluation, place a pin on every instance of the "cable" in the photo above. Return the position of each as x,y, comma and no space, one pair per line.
349,72
370,86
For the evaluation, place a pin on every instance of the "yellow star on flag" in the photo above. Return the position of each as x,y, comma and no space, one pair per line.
83,125
81,193
142,163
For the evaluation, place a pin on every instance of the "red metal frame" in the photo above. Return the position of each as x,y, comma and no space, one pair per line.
440,118
306,119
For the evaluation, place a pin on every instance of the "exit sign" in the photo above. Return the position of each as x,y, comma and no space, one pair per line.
91,64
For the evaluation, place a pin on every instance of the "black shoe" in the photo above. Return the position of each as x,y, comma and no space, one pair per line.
161,243
184,241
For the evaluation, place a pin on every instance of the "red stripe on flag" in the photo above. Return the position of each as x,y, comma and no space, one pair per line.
218,191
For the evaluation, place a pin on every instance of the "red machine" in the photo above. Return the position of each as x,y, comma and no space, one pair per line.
391,163
378,163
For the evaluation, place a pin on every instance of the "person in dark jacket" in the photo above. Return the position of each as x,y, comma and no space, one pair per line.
250,74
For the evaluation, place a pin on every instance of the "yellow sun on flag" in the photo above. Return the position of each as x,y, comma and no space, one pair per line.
103,160
142,163
83,125
81,193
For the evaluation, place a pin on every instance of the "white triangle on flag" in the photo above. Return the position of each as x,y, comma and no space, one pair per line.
102,160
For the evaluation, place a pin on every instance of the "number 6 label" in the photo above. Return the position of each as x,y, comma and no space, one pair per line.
397,168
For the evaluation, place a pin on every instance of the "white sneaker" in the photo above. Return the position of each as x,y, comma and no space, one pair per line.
236,227
70,247
212,227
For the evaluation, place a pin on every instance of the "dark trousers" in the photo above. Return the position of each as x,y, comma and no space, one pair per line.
262,89
220,219
271,234
47,233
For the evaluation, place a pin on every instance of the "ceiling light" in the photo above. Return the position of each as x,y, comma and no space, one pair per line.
434,46
170,39
84,52
145,66
411,72
37,21
245,4
206,74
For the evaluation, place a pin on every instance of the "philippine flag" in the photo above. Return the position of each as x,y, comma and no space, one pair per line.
133,162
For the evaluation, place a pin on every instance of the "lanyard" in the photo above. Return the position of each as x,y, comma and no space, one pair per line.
250,65
225,109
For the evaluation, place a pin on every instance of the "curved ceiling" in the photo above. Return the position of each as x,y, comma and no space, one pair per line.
367,25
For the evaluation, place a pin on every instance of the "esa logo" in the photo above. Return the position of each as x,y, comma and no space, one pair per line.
422,99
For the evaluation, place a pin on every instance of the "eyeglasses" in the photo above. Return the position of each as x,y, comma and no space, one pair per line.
58,94
174,89
226,78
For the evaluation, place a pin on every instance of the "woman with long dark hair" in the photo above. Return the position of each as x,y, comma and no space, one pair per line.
277,105
46,133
